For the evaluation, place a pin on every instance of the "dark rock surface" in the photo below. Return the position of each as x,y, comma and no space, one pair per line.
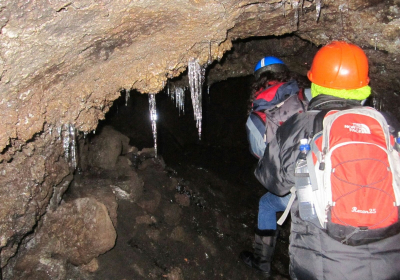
161,238
198,208
75,234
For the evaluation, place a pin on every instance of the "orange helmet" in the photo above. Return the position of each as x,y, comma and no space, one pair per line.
340,65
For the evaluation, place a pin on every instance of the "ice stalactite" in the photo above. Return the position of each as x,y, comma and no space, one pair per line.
180,99
127,96
73,146
67,134
284,7
172,95
59,130
153,118
177,95
376,101
196,75
65,141
295,6
209,61
375,39
318,4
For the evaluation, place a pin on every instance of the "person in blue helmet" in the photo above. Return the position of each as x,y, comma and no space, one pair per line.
273,84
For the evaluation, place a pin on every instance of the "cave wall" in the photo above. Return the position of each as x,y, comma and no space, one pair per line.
63,63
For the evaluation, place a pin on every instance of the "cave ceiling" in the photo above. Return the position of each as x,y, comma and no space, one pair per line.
65,62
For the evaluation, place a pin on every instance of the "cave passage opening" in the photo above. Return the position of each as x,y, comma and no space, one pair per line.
225,94
215,173
223,147
207,217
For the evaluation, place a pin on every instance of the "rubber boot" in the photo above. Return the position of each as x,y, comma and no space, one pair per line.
264,247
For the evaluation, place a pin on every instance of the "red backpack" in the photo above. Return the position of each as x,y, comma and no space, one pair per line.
355,174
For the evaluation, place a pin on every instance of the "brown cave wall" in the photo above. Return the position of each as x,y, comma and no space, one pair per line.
32,182
63,64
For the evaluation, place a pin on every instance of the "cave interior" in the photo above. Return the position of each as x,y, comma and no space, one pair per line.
90,196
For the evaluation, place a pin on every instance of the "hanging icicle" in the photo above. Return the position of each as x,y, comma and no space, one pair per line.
173,95
72,136
127,96
209,54
153,118
318,4
375,39
295,6
376,101
284,8
66,141
59,130
67,134
196,75
180,99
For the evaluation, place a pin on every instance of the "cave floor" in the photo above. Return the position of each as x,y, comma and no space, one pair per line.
202,209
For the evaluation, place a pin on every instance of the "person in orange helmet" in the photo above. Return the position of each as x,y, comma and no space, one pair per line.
340,70
339,76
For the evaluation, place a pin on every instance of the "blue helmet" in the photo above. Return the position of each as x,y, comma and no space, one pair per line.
269,63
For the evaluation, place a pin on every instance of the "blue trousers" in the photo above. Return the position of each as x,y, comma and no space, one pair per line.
268,206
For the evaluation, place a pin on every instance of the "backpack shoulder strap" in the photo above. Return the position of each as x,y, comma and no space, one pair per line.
288,207
318,121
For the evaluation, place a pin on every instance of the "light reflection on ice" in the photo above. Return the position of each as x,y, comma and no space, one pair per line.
196,75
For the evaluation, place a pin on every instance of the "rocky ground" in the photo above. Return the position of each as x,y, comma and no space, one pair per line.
189,221
190,212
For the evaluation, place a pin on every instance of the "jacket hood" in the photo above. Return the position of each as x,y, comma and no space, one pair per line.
275,94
